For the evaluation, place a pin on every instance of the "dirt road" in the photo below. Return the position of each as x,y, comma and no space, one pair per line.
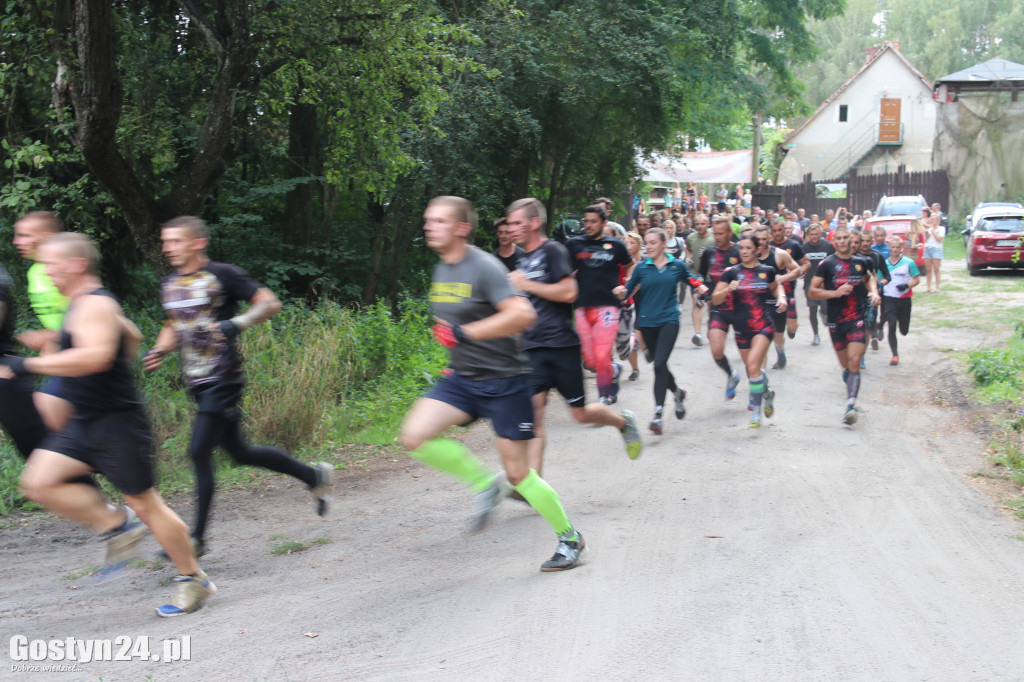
806,550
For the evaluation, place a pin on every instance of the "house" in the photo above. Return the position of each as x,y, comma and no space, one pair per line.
882,117
979,134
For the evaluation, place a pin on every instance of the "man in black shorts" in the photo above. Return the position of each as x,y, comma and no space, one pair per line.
479,317
816,250
551,344
845,281
863,246
787,270
18,413
796,252
200,300
109,432
713,262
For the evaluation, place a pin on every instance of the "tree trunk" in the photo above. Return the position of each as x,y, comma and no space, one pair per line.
303,137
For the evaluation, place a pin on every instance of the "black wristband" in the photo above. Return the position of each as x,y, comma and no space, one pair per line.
16,363
229,329
457,332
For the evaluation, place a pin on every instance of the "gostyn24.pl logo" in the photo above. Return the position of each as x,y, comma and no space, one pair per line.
51,655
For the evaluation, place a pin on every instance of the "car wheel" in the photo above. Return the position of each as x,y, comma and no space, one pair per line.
974,270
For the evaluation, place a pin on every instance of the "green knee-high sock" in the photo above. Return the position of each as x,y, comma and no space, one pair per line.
453,458
544,499
757,385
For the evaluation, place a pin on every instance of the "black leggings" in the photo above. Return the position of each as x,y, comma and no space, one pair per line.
213,429
661,340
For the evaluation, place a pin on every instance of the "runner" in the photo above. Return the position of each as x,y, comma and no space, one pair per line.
816,249
18,413
861,244
787,270
658,278
508,251
796,251
30,232
552,346
713,263
755,293
597,260
478,317
898,293
627,341
844,280
696,243
109,432
200,300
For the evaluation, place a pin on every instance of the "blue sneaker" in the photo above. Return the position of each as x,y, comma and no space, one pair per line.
734,381
191,593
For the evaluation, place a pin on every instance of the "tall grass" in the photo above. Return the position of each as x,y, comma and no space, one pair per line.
317,379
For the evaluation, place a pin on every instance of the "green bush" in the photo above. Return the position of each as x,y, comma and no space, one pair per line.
994,366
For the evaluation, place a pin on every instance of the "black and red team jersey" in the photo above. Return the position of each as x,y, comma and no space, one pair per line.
796,252
753,301
713,262
836,272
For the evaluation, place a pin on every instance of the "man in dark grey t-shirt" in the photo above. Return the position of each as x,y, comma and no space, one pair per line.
816,250
479,319
545,275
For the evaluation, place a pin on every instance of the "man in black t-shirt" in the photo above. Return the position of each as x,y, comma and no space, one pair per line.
816,250
508,251
597,261
200,300
18,413
796,252
553,347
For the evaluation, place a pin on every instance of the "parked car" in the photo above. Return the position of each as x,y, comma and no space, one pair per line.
995,240
568,226
897,214
983,210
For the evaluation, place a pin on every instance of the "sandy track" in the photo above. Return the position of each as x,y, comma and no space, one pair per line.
804,551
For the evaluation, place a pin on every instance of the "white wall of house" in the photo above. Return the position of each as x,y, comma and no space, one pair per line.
827,147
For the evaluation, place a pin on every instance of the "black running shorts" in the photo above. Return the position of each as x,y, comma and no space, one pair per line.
560,369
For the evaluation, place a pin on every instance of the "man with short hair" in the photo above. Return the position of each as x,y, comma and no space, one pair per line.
880,241
801,217
845,281
816,250
898,294
620,231
30,232
200,300
545,275
478,318
597,260
508,251
713,262
696,243
796,253
862,245
109,432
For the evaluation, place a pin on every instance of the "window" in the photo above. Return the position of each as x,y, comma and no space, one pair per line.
844,113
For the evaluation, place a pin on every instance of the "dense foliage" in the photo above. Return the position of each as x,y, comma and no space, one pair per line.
310,133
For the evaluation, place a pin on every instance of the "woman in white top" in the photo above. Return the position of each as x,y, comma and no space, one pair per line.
935,233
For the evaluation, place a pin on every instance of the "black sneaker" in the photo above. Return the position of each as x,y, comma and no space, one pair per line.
322,490
634,375
567,554
680,396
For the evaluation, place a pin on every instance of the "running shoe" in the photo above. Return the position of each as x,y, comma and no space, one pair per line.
567,554
485,501
121,543
680,396
850,417
631,434
895,360
734,381
781,362
192,591
697,339
634,375
874,342
648,355
769,402
322,490
816,341
790,334
608,400
198,546
755,418
655,426
863,365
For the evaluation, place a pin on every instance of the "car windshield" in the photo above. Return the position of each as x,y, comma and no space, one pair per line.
1003,224
900,208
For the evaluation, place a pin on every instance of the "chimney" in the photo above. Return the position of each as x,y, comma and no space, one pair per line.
894,44
871,52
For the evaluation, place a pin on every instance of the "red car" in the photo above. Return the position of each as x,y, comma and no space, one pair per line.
996,241
899,226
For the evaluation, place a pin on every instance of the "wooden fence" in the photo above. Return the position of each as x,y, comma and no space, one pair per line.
862,191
